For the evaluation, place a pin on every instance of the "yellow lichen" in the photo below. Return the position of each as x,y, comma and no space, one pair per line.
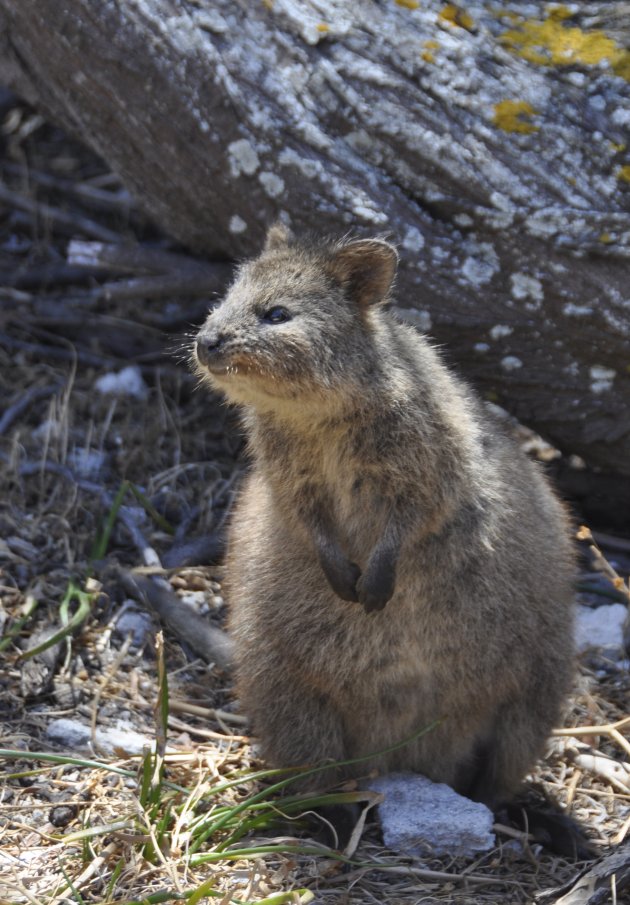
605,238
515,116
623,173
323,27
618,146
456,16
559,12
428,54
508,14
408,4
552,43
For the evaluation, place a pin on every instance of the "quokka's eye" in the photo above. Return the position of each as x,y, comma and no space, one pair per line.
276,315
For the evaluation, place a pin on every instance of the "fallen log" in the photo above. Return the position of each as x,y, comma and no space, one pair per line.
492,147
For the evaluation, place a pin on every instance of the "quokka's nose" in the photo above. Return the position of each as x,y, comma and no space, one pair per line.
207,346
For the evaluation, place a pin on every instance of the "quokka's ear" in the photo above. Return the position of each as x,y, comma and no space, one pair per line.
278,236
366,267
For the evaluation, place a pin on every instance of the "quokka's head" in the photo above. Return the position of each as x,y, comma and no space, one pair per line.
296,323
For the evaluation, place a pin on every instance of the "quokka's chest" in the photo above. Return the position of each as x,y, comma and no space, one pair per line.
354,499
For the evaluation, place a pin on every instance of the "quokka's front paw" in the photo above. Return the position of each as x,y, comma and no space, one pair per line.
376,586
342,577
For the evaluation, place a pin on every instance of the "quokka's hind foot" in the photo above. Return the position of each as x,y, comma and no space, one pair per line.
531,811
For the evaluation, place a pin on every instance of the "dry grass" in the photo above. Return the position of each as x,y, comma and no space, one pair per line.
79,832
120,858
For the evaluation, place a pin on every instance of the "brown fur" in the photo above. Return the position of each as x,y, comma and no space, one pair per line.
379,478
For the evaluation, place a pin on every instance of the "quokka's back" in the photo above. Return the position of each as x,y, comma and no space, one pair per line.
394,559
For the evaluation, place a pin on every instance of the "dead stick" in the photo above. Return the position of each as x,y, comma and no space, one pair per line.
57,216
13,412
594,885
43,351
158,287
208,713
99,199
136,258
212,644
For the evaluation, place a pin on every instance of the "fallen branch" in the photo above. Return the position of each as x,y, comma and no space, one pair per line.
617,773
40,276
56,353
13,412
119,201
514,234
159,287
135,258
600,884
609,729
76,222
164,273
210,643
208,713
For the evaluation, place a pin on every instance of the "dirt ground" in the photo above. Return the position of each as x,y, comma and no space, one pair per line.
73,829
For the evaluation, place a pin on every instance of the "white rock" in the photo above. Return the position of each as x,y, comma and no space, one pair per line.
511,363
88,463
500,330
76,736
600,626
598,372
237,225
136,623
420,817
128,382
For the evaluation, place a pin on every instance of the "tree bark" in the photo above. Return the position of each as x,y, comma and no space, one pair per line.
493,151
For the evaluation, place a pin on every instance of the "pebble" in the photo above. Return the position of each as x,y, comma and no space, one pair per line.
600,626
72,735
63,814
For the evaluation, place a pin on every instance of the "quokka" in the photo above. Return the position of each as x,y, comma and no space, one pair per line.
393,559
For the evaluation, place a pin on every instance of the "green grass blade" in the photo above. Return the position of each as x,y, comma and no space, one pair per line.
145,782
268,813
206,889
12,754
30,605
150,509
313,771
102,829
114,878
85,605
257,850
102,542
71,886
281,898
